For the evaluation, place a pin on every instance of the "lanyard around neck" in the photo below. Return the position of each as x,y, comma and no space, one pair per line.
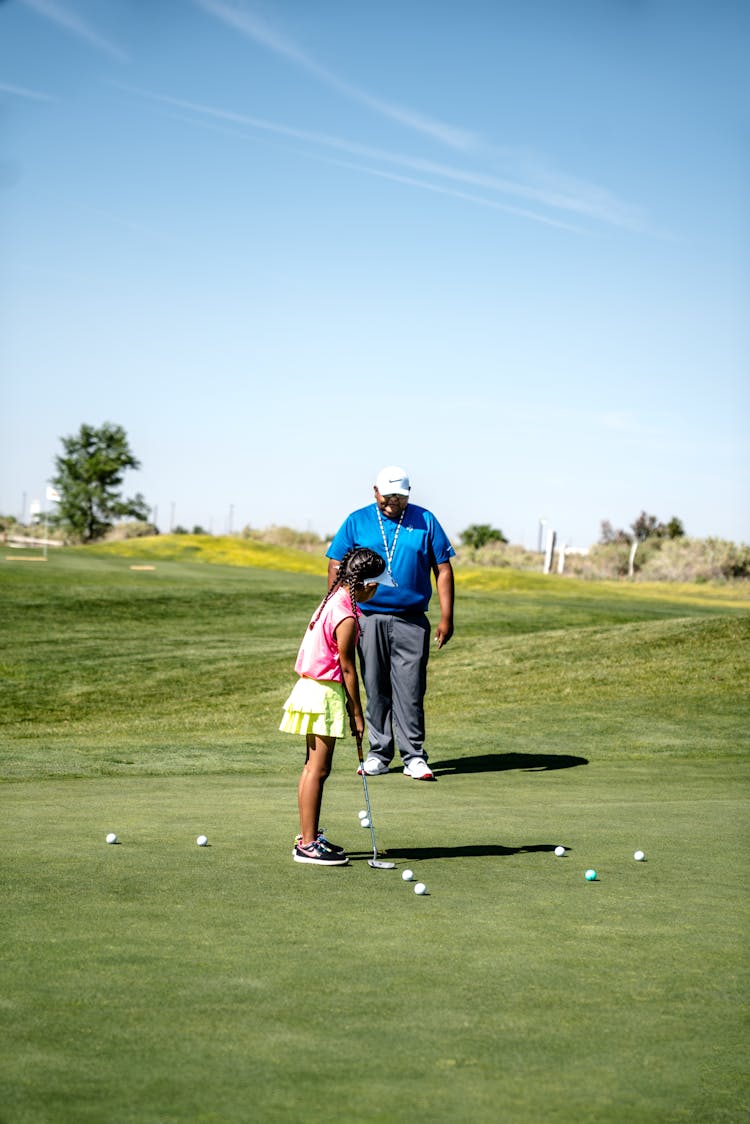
389,553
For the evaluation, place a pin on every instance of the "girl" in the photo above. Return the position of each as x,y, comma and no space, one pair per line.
327,688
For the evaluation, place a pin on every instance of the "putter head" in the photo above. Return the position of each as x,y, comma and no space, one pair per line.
379,865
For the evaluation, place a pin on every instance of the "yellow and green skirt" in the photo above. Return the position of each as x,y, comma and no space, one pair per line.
316,706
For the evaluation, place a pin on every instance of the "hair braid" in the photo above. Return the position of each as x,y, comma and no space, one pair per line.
337,582
352,583
355,567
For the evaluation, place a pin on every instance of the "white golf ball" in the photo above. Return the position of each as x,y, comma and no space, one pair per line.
559,851
362,815
420,888
639,856
365,822
407,875
111,838
202,841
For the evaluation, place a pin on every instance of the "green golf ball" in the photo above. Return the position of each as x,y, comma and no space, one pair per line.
590,875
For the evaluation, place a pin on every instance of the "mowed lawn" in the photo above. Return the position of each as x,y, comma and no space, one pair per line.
158,981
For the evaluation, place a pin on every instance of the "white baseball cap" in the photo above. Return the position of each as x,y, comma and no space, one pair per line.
393,481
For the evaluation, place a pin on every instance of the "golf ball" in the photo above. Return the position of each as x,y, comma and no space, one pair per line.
639,856
407,875
559,851
590,875
202,841
362,815
420,888
365,822
111,838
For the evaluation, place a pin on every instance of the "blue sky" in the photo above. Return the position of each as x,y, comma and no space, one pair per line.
285,243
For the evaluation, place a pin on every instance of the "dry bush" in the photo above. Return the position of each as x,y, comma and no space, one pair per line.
498,554
287,536
677,560
697,560
131,529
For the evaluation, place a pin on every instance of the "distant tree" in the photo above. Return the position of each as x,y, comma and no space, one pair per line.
649,527
610,535
644,527
478,535
89,479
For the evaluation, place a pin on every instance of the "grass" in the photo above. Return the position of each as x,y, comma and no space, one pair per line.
156,981
227,550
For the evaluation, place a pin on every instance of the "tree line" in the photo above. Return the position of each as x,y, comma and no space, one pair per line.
89,475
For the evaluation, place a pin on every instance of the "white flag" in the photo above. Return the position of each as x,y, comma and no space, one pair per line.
53,494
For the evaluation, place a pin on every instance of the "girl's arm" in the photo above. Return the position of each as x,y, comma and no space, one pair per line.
346,639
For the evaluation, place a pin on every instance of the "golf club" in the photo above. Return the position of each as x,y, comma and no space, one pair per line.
374,861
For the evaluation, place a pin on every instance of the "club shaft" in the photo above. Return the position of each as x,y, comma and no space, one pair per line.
369,815
367,798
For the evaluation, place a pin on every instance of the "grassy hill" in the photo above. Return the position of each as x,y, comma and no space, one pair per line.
157,981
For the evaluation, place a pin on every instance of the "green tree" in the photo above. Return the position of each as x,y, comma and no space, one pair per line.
644,527
478,535
89,480
649,527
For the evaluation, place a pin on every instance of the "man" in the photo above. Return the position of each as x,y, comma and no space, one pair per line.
395,641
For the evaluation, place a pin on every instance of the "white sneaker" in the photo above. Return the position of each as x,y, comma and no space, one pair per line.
419,770
373,766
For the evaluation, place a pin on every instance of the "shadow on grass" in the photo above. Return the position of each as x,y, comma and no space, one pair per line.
501,762
462,851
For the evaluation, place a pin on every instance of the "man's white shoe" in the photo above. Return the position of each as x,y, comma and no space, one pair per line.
419,770
373,766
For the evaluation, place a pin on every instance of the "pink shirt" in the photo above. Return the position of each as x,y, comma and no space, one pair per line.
319,654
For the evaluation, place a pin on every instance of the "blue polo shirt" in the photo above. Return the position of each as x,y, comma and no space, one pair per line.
421,542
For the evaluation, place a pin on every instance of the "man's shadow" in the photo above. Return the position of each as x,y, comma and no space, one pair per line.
501,762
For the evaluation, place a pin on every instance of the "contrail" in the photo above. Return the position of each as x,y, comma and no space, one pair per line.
592,203
69,21
260,32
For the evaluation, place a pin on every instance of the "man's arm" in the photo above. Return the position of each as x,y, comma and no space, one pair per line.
446,594
333,570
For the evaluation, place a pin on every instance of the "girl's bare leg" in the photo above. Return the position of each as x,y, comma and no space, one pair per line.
314,775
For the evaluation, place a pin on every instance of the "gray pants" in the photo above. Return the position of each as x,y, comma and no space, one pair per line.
393,654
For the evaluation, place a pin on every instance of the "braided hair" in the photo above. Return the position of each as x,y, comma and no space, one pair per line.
355,568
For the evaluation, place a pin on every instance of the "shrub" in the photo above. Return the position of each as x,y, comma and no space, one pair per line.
677,559
286,536
478,535
499,554
690,560
131,529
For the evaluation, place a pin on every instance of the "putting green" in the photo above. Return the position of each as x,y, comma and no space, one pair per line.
155,980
